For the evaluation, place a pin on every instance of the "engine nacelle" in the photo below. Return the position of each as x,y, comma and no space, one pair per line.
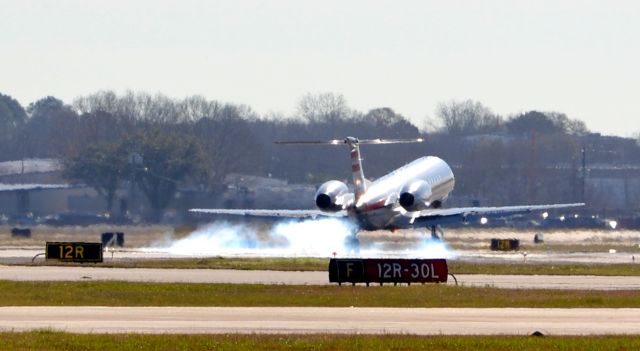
333,196
414,196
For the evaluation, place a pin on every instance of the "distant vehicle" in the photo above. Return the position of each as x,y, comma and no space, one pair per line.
408,197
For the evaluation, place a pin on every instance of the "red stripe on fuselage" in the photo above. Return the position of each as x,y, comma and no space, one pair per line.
372,206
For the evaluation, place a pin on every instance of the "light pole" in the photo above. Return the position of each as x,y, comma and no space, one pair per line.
135,161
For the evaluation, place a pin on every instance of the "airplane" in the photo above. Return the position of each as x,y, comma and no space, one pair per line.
409,197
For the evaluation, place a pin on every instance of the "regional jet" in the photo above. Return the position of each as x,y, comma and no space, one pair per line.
409,197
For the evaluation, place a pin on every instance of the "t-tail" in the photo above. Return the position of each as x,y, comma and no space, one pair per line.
359,181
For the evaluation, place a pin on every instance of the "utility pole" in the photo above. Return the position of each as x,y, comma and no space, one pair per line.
135,162
531,176
584,172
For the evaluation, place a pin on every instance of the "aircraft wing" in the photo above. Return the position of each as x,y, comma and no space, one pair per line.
27,187
437,216
271,213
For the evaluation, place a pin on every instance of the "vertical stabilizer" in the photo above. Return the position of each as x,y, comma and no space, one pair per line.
356,167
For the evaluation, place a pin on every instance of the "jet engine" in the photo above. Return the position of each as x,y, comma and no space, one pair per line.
414,196
333,196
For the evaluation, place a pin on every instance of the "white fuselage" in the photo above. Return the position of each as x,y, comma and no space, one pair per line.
379,208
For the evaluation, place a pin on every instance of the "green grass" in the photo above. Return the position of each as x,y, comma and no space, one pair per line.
50,340
170,294
622,269
321,264
589,247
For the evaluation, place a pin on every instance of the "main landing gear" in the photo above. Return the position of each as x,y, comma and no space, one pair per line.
437,233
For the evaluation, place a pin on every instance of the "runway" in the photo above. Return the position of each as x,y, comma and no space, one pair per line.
421,321
55,273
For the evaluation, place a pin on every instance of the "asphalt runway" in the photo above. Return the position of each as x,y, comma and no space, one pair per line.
55,273
421,321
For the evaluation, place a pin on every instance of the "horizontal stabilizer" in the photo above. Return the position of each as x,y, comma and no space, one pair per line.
350,140
270,213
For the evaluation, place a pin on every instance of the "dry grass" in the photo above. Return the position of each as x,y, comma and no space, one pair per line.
136,236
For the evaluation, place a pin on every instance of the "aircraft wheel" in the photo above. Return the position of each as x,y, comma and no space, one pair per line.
437,233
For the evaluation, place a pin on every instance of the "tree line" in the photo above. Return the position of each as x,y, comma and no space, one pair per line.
160,144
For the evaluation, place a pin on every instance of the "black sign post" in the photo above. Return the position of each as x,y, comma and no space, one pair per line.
74,251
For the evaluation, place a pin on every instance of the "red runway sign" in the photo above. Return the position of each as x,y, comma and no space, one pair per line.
388,270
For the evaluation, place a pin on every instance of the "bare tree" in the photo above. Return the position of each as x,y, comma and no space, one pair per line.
568,126
467,117
323,107
229,144
196,107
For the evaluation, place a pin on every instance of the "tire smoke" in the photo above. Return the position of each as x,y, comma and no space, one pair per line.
324,237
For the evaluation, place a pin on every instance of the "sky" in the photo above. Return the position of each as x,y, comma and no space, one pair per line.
577,57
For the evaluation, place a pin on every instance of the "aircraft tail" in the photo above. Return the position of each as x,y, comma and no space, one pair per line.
359,182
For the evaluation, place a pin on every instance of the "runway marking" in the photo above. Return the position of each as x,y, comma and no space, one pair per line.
421,321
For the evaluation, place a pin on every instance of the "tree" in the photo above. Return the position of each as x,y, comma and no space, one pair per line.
466,118
323,107
229,143
545,123
568,126
12,118
383,117
153,109
168,158
102,167
50,130
532,121
12,115
102,127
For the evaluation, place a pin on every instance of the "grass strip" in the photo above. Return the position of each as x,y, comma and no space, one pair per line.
619,269
101,293
239,263
50,340
270,263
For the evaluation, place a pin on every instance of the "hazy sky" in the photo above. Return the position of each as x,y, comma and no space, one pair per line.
577,57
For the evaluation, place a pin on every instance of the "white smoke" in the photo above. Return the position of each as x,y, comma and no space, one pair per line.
434,248
307,238
412,247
